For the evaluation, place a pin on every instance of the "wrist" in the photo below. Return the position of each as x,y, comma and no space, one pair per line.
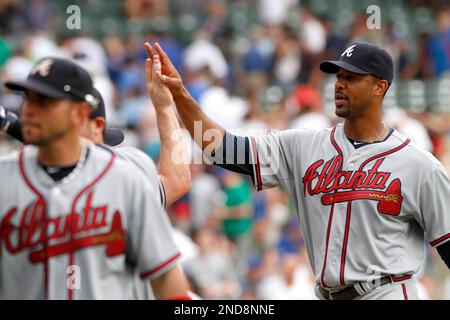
180,93
163,109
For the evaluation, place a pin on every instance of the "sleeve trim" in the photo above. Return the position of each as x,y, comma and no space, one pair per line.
440,240
257,171
160,267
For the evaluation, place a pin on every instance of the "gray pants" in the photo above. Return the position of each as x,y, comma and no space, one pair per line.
406,290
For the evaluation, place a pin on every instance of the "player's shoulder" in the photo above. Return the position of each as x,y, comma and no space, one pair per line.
418,155
137,158
301,134
104,155
12,158
132,153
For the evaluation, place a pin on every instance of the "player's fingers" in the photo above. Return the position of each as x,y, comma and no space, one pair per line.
149,50
164,58
168,81
148,70
156,66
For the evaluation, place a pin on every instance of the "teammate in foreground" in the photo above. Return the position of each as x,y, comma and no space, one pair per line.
365,195
75,220
174,179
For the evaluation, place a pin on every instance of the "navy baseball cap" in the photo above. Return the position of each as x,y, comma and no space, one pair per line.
363,58
111,136
58,78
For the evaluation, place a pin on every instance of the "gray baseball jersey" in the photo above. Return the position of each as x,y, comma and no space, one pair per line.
363,211
146,166
83,237
142,290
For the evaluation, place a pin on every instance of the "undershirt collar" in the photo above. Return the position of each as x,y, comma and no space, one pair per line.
358,144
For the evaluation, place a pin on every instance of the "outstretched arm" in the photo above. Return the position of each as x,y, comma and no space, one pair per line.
174,165
207,134
244,155
228,151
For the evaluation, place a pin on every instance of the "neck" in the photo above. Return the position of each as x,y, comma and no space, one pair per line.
367,129
62,153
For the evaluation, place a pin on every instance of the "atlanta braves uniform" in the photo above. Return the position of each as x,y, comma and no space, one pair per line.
363,210
100,219
131,156
145,165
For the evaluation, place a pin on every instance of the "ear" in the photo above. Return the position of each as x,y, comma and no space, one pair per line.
381,87
82,110
100,124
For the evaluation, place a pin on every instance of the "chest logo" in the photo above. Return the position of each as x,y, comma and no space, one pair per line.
336,185
70,233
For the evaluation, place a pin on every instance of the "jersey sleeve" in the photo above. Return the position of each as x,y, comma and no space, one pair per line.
435,206
152,245
272,157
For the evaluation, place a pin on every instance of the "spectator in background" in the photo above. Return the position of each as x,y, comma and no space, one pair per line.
203,183
313,41
38,15
409,127
287,60
293,282
306,108
439,43
335,43
423,68
203,53
274,12
257,61
216,22
212,271
9,19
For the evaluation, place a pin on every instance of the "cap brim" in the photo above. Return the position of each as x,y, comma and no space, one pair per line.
36,86
333,67
113,137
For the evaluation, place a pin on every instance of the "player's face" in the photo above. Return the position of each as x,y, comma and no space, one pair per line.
45,120
352,93
93,130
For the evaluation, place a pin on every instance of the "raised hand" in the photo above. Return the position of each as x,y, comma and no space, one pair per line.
169,76
157,91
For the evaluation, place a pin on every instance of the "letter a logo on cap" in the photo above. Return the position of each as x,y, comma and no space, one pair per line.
43,68
349,51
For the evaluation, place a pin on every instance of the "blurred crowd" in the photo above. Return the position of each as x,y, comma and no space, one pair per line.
252,65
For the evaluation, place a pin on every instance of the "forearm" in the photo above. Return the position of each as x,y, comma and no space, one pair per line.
206,133
170,285
174,165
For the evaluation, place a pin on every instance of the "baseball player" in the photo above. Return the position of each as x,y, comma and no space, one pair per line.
76,221
170,184
365,195
174,179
